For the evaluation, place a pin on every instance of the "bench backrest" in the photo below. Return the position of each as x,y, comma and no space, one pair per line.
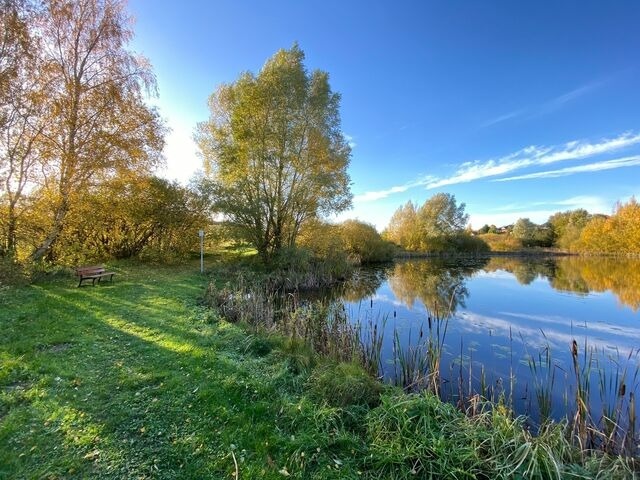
92,270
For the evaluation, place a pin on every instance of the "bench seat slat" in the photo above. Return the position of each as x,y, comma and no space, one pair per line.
93,273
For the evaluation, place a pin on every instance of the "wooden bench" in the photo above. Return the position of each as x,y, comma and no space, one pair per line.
93,273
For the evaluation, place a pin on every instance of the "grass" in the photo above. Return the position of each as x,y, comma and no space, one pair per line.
138,380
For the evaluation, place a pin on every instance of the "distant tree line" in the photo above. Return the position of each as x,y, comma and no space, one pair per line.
440,225
575,231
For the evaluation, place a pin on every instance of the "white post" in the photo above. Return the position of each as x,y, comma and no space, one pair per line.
201,235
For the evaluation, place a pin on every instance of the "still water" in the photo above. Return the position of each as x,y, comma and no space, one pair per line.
509,325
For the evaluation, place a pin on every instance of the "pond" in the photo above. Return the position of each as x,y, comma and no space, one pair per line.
543,334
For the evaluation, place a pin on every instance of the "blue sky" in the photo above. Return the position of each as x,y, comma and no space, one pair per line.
519,109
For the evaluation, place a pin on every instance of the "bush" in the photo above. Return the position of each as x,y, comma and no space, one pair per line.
465,243
364,244
297,268
501,242
258,345
343,385
299,357
12,273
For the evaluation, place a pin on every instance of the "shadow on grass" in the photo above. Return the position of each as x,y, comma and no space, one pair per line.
140,389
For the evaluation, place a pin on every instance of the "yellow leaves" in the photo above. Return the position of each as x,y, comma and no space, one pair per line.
617,234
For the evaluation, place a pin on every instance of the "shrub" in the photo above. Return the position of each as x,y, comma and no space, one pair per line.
258,345
501,242
343,385
364,244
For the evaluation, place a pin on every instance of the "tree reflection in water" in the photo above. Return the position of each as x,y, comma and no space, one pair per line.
579,275
437,283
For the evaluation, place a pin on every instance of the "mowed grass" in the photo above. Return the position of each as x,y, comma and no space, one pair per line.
135,380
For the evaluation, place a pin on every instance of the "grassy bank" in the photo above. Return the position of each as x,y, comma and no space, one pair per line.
138,380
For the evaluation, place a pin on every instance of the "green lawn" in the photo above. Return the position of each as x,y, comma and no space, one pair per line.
136,380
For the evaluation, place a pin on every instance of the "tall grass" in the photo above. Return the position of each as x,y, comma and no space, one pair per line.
323,326
602,416
327,329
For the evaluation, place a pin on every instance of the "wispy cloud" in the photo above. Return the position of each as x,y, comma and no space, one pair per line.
534,156
380,194
528,157
590,167
561,100
588,202
350,141
504,118
548,106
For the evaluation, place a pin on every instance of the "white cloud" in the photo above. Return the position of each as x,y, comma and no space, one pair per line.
503,118
590,167
588,202
560,100
477,220
380,194
534,156
527,157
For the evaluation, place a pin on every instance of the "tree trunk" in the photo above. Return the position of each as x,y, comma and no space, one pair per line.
44,247
11,231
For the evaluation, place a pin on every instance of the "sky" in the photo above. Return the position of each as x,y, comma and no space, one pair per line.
519,109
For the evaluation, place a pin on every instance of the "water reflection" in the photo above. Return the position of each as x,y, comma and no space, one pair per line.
505,311
438,284
363,284
441,283
580,275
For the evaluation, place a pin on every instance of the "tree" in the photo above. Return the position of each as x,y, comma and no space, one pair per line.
567,227
618,234
524,230
440,216
14,43
22,112
402,227
274,151
132,216
363,242
99,124
433,226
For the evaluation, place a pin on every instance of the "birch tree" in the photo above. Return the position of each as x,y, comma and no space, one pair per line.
98,123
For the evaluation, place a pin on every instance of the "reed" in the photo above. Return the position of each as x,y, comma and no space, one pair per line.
329,331
543,373
371,341
410,362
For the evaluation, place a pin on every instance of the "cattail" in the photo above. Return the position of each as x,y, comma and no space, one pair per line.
622,390
574,349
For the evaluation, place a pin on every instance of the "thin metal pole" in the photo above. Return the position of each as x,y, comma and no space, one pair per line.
201,251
